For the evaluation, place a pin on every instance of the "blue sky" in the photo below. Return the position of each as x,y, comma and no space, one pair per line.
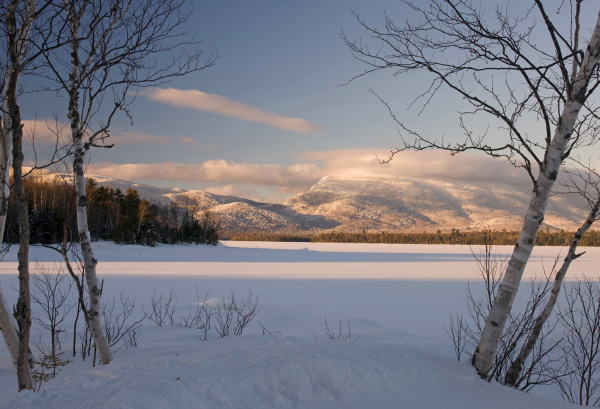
283,57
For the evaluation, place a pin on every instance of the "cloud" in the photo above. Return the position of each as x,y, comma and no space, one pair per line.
203,101
468,167
46,132
130,137
252,192
214,171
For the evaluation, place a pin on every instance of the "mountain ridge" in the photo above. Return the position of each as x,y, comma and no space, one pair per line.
372,203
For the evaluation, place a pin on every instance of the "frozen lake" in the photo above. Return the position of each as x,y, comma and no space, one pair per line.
384,288
275,260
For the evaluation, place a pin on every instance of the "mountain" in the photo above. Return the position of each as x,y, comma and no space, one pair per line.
373,203
379,203
235,214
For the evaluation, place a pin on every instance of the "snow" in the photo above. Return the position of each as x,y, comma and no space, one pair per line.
265,371
397,299
301,260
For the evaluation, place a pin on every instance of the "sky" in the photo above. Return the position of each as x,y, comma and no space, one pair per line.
276,111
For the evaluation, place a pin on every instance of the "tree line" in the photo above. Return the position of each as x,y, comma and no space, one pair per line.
546,237
123,217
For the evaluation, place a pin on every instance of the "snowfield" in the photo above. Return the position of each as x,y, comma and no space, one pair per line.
396,299
174,371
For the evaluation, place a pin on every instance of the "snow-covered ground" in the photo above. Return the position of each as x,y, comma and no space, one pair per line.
397,299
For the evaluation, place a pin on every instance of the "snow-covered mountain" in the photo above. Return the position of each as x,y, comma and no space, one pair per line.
373,203
379,203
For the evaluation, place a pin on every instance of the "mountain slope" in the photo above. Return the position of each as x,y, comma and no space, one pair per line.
376,203
373,203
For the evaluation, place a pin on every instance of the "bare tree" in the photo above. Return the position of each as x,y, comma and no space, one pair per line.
119,322
542,367
587,185
51,294
7,327
24,22
162,309
457,333
113,47
498,67
580,315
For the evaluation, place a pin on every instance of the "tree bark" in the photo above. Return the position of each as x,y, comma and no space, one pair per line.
494,326
516,367
23,307
7,324
94,310
9,332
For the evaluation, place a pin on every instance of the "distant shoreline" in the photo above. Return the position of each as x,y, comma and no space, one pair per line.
455,236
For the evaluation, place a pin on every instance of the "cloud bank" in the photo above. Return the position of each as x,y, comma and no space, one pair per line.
214,171
466,168
217,104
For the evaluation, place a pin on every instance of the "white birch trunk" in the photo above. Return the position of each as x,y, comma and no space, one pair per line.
494,326
7,325
516,367
94,310
17,37
9,331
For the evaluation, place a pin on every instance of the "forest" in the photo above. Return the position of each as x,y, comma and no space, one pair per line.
123,217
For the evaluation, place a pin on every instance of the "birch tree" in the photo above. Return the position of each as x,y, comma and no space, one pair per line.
497,66
9,331
26,32
19,16
584,183
114,46
7,325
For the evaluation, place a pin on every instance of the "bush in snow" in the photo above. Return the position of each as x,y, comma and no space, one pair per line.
228,316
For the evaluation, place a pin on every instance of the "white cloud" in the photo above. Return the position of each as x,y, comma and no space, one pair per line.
251,179
129,137
472,167
217,104
219,171
48,131
45,131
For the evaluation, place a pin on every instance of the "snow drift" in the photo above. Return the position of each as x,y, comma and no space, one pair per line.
174,370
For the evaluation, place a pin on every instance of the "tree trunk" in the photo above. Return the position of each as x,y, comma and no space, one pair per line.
494,326
23,307
9,332
94,310
7,324
516,367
